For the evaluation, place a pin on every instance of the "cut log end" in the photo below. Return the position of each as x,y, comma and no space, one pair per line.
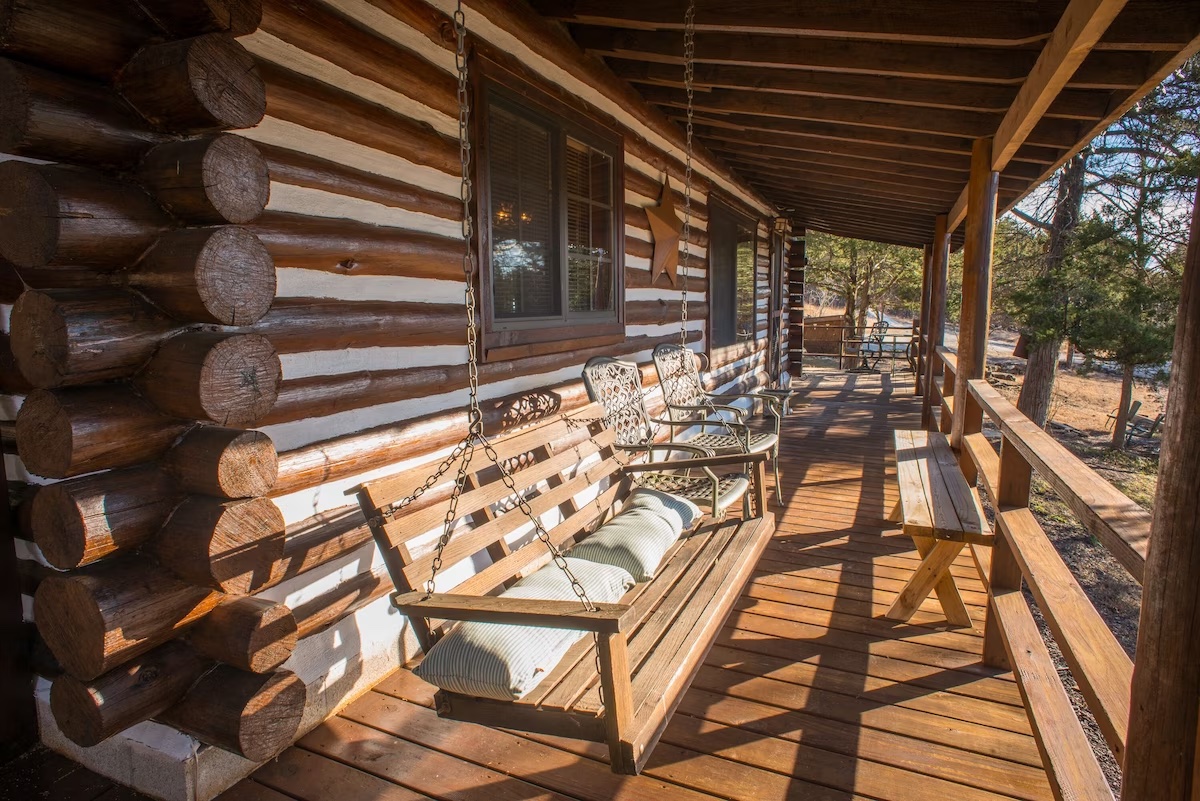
254,715
67,616
232,546
228,379
235,276
45,436
224,462
213,275
209,180
29,228
42,347
207,83
252,634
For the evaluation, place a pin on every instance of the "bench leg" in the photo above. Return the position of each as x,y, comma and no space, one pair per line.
897,513
933,575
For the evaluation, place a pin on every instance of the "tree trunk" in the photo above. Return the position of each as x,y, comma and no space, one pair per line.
1070,354
1042,366
1118,437
1038,386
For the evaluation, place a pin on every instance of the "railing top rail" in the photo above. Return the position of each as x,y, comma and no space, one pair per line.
949,358
1106,512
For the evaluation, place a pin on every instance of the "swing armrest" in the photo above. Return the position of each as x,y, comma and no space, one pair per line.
667,447
726,460
607,619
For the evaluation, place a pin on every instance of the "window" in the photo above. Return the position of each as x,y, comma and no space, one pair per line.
732,271
551,227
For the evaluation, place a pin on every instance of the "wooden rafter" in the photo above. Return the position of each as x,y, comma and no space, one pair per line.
1117,70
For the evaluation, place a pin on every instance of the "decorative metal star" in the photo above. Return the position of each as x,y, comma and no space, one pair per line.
665,227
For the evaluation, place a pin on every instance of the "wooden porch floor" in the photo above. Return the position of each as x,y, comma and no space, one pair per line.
810,693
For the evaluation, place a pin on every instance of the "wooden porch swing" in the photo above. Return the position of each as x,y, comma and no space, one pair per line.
621,685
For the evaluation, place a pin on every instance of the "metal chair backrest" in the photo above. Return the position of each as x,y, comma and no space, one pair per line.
680,381
617,386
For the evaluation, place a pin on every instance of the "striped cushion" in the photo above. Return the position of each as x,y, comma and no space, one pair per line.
634,541
505,661
681,513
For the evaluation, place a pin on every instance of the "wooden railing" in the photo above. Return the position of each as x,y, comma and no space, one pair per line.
852,347
1024,554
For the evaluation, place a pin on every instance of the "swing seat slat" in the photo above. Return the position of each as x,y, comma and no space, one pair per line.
651,643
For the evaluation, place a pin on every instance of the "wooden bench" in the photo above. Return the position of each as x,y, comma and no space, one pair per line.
942,514
651,643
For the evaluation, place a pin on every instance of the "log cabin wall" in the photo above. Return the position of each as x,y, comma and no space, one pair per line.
246,301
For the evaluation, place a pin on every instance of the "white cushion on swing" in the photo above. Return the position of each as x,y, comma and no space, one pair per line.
639,537
505,661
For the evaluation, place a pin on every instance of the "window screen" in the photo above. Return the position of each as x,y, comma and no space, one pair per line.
524,277
589,228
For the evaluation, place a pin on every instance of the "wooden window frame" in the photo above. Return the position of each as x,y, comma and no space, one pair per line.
719,355
509,339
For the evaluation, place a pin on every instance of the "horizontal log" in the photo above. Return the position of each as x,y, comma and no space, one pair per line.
662,312
208,180
325,395
93,39
319,106
67,432
223,462
354,454
218,275
230,546
80,336
104,615
324,33
297,325
49,116
638,218
253,715
321,539
68,216
300,169
230,379
79,521
238,17
251,634
89,712
205,83
346,247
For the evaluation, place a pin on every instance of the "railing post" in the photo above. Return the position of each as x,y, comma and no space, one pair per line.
936,324
923,321
1012,491
948,381
1161,754
977,288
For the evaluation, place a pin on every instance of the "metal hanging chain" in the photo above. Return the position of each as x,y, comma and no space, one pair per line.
465,450
689,56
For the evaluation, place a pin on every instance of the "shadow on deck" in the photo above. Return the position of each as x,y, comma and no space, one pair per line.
808,693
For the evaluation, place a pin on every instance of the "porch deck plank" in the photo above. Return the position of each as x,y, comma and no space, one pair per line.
809,692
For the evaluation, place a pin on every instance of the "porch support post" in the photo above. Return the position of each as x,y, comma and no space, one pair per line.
938,267
976,295
794,287
1161,758
923,323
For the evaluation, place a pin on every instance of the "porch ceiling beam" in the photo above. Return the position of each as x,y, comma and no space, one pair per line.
902,184
1156,73
1146,25
833,214
1115,70
822,162
888,236
1072,104
970,22
955,145
865,208
802,146
1081,26
939,122
851,187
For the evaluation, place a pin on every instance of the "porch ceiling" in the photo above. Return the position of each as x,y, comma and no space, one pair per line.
857,117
